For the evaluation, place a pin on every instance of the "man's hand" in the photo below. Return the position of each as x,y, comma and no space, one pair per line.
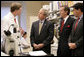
22,31
72,45
40,46
35,46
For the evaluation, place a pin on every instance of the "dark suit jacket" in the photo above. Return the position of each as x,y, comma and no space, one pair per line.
63,49
77,37
45,36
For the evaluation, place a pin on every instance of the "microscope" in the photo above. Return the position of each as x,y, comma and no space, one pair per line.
12,43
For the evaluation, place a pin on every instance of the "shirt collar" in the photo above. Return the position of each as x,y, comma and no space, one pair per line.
42,21
81,16
65,19
11,15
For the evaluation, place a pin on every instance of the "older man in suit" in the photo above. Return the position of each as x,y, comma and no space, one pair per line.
65,30
42,33
76,36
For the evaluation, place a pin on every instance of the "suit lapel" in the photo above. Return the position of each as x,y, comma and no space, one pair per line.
37,27
73,27
67,21
80,22
74,32
60,24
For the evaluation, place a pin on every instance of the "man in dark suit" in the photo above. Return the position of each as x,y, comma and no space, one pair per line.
65,30
76,36
42,33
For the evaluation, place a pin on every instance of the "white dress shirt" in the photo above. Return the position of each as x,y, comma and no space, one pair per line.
65,19
80,18
42,21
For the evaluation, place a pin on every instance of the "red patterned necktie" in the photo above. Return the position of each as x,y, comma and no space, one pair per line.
15,20
62,24
76,24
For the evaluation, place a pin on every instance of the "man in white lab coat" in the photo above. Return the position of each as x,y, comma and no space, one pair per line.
9,19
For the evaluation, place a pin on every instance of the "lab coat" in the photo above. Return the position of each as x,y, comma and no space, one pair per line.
5,24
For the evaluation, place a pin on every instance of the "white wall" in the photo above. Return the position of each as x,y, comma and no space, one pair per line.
23,17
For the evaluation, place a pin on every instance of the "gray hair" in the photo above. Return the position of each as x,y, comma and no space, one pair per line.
46,12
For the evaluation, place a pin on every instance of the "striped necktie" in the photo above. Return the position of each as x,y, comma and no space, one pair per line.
15,20
76,24
62,24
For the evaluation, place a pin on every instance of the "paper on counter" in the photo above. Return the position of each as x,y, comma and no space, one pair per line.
37,53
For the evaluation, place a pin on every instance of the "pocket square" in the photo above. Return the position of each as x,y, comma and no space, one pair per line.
68,26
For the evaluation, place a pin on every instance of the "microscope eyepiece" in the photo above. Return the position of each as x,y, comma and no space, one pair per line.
7,33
